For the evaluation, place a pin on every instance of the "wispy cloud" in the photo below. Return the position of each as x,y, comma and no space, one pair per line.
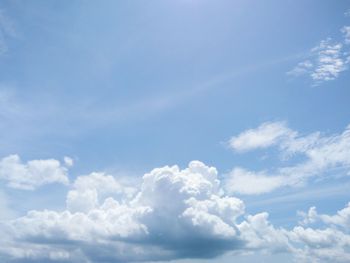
327,60
346,31
323,154
347,13
330,61
7,31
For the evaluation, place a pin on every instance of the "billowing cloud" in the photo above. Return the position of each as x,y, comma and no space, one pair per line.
322,153
329,243
33,174
174,214
342,218
88,190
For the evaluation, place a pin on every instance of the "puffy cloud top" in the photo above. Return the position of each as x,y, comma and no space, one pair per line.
174,214
33,174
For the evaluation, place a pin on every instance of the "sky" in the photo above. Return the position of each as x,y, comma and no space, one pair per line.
185,131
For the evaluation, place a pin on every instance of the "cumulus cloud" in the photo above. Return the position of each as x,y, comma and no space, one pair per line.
33,174
328,243
342,218
322,153
174,214
88,191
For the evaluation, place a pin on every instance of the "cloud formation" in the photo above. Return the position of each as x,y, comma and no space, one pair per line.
33,174
322,154
327,60
330,243
174,214
266,135
346,31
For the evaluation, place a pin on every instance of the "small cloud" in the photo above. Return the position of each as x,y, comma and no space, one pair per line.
246,182
330,61
346,32
266,135
347,13
327,60
33,174
301,69
68,161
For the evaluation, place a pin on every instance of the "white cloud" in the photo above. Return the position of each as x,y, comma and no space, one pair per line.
176,214
301,68
179,212
33,174
330,62
266,135
321,245
68,161
342,218
261,235
322,153
246,182
329,243
325,61
346,31
89,189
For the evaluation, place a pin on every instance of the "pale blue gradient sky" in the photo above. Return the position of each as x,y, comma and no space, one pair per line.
126,86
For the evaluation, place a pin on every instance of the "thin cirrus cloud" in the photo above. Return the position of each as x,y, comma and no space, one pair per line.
347,13
34,173
173,214
7,31
323,154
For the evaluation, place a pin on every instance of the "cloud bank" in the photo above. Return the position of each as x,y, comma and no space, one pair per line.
173,214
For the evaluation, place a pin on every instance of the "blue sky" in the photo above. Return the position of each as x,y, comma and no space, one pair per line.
95,95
